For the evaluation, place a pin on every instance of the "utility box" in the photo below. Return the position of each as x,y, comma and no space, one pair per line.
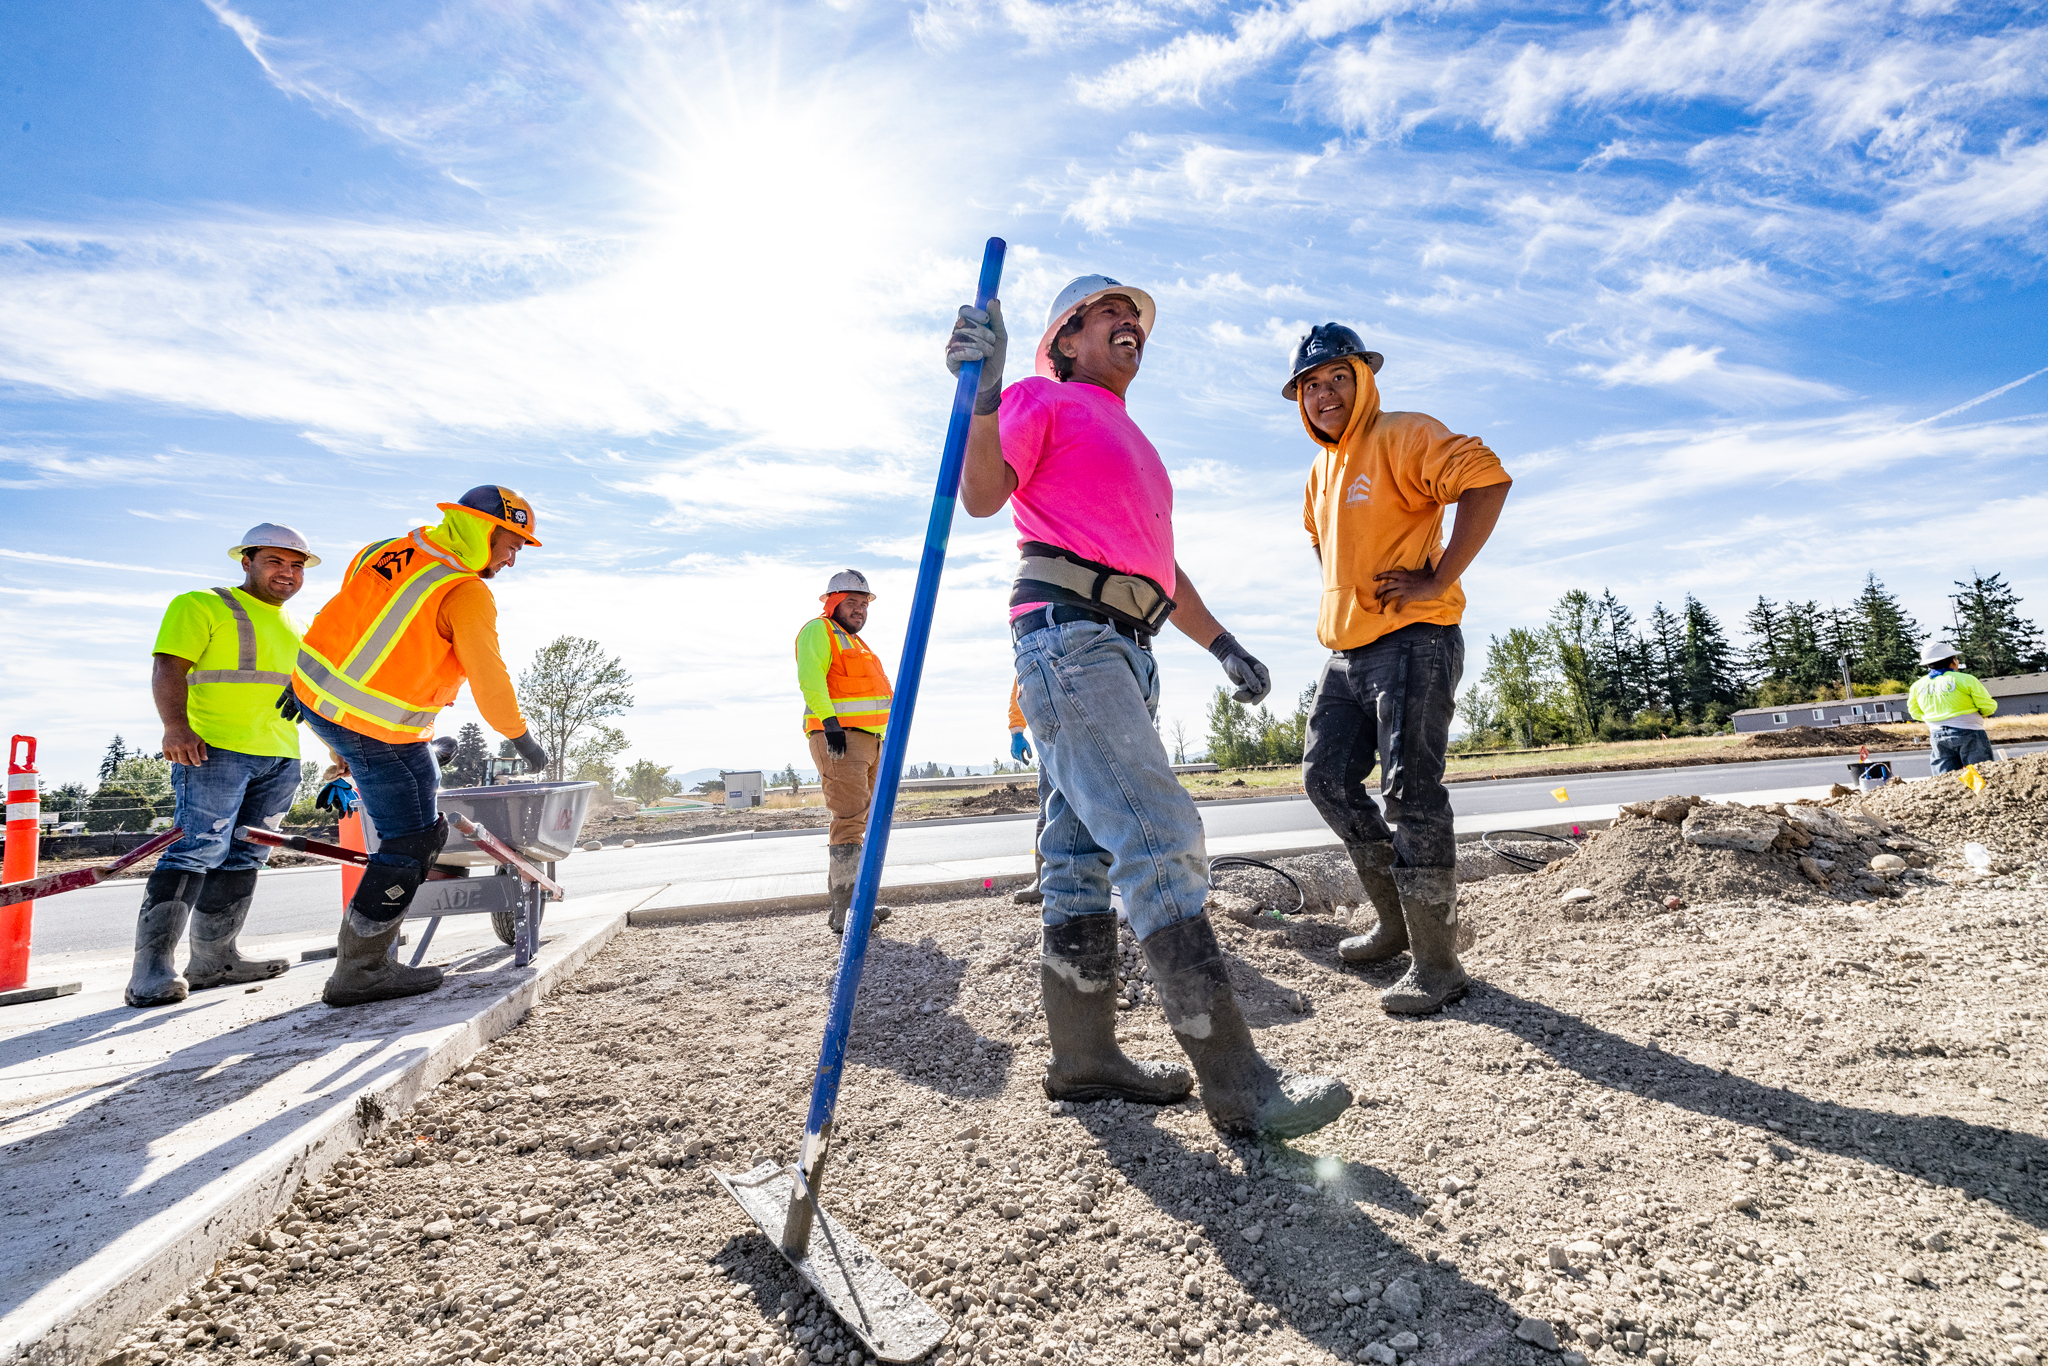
743,790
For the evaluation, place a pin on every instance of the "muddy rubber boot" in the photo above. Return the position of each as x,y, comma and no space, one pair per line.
1389,938
1243,1093
839,879
1077,975
365,971
1032,895
223,907
167,900
1435,977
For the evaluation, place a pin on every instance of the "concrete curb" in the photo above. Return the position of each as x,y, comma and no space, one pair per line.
83,1323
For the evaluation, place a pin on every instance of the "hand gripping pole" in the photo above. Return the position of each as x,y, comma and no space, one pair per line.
853,952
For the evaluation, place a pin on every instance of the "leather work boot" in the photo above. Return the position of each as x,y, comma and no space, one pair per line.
167,900
222,909
839,879
1435,977
1390,937
1032,895
1243,1093
364,969
1077,975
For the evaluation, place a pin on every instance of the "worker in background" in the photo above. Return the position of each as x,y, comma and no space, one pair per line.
220,656
1020,752
413,621
1094,515
1374,510
846,711
1954,705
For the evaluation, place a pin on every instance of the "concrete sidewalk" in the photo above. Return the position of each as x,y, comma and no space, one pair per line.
141,1145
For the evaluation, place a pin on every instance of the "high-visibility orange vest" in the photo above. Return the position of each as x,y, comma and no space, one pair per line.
373,660
857,683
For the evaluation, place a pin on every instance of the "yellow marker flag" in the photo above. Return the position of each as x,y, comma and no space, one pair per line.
1561,794
1971,779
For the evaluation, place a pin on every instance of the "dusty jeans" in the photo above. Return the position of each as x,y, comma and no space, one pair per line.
1114,813
228,791
849,783
1957,747
1389,703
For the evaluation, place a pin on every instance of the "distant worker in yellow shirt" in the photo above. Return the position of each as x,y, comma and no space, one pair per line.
220,657
1391,603
1954,705
846,711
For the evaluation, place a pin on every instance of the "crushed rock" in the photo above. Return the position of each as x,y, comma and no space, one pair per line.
2010,816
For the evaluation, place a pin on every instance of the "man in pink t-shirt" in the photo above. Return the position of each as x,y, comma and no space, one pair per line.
1094,514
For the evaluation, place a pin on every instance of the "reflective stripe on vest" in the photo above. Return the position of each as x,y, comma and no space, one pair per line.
856,682
340,686
245,670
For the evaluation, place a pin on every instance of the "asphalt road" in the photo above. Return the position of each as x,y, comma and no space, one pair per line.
303,901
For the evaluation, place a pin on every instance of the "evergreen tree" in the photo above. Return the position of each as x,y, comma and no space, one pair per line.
116,755
1666,643
1991,635
1764,660
1888,639
1617,663
1708,682
471,766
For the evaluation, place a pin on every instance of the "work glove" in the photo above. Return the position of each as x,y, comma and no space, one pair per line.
1253,679
835,737
288,704
979,335
529,749
339,796
1019,749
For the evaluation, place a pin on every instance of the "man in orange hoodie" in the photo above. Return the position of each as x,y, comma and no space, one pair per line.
1391,604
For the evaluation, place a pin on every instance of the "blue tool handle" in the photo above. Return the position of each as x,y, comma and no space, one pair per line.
860,919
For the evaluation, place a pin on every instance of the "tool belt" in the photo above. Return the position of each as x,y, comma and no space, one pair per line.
1050,574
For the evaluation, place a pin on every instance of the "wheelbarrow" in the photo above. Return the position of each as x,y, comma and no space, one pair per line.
542,821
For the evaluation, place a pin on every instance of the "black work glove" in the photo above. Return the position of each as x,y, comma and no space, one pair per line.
288,704
1253,679
835,737
338,796
529,749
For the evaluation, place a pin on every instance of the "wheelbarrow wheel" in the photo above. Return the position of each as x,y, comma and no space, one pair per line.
506,923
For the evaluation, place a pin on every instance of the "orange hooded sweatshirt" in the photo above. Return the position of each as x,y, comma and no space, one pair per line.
1375,501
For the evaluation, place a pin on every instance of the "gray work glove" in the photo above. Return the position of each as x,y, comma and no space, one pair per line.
979,335
1253,679
529,749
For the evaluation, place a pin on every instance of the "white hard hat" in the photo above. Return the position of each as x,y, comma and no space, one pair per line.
276,537
1077,296
1938,651
847,581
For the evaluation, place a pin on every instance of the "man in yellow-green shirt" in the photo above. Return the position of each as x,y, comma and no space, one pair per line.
1954,705
222,656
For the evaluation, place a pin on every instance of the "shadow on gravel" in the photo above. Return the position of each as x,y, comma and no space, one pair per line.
1984,1162
1302,1223
905,1020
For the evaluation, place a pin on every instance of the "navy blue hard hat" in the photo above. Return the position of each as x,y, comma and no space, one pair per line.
1331,341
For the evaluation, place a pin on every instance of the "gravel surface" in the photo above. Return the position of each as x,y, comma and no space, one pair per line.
1758,1128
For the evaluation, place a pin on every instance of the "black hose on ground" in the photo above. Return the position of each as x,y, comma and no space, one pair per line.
1238,861
1522,861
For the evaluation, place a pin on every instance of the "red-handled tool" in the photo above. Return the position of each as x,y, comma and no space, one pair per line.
49,884
476,834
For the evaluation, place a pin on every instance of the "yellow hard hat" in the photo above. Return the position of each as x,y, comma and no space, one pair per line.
502,506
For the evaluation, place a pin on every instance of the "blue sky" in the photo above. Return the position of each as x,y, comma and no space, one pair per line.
1725,285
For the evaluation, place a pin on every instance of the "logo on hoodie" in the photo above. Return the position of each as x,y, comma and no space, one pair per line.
1359,492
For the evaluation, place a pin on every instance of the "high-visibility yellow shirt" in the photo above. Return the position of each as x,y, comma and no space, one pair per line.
1947,695
241,649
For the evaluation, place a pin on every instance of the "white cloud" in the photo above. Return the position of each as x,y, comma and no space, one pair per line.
1700,371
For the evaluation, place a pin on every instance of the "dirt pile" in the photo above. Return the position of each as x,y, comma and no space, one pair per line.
2009,817
1697,851
1838,737
999,800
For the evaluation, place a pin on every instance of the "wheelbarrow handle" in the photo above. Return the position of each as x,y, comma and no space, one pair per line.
299,844
73,879
504,853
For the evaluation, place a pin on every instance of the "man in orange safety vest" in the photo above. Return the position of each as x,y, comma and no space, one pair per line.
846,710
413,621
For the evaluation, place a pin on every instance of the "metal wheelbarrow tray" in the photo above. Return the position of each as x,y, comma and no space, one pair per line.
540,820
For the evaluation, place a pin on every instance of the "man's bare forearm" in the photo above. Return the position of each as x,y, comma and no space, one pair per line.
172,695
1478,514
1191,614
986,479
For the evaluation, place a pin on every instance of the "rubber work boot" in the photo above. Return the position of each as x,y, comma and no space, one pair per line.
1435,977
1032,895
1243,1093
167,900
1077,974
365,971
839,879
1389,938
222,909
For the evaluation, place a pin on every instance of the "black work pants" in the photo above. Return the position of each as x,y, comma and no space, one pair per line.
1388,703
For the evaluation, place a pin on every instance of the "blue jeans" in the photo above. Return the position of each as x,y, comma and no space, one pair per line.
214,798
1115,816
1956,748
396,782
